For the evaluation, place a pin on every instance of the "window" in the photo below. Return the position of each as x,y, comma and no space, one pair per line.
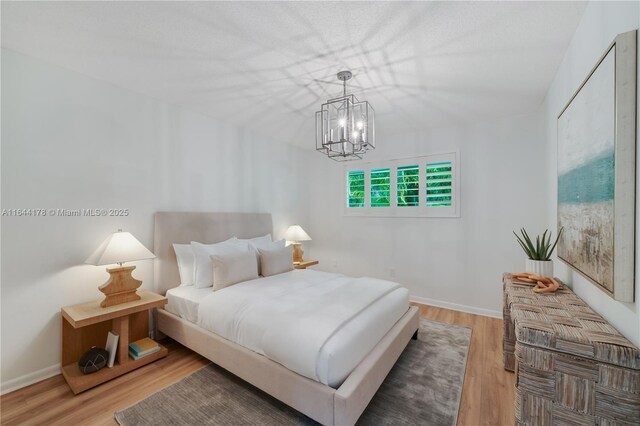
355,188
439,183
425,186
408,186
381,187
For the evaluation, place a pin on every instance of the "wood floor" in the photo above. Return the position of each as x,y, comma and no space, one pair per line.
487,396
489,390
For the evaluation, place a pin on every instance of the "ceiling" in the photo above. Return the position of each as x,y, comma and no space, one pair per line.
268,66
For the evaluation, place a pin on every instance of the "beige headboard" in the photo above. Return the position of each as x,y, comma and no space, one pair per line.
184,227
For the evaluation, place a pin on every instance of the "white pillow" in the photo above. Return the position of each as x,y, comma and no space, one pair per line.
264,244
229,269
186,263
276,261
203,274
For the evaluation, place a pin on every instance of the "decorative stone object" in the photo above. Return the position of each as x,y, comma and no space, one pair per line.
93,360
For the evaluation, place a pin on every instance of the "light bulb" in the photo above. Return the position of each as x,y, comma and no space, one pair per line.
360,125
342,122
355,134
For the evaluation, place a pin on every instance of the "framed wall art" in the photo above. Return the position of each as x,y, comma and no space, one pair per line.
596,172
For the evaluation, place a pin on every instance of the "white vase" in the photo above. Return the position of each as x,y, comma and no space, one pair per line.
540,267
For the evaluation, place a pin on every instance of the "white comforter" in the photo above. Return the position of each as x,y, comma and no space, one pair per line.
290,317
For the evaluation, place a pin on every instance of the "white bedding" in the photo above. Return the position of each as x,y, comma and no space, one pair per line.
183,301
334,320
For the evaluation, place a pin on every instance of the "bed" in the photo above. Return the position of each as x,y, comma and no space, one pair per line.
333,390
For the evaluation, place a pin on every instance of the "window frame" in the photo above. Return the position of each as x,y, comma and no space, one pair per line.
422,210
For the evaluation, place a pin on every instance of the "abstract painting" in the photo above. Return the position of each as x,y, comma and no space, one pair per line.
596,173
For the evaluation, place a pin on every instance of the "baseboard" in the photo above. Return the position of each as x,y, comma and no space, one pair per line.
456,307
29,379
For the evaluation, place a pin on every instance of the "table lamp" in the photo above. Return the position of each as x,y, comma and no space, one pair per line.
295,234
119,247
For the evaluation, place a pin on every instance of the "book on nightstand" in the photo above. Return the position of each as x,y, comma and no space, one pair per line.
112,347
143,347
134,356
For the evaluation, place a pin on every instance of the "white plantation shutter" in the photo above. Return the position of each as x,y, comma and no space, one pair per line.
425,186
442,181
439,184
380,187
355,188
408,186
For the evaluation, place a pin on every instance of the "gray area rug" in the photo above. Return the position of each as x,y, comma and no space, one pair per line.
424,387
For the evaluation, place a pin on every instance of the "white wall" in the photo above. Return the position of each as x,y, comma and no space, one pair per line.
69,141
600,24
452,262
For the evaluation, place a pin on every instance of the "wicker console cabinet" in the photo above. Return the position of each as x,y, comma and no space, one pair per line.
572,367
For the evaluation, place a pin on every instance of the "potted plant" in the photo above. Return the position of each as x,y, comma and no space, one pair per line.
538,254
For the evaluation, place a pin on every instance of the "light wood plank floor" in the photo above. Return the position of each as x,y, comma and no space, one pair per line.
487,397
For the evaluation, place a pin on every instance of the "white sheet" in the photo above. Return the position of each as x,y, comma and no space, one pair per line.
336,320
183,301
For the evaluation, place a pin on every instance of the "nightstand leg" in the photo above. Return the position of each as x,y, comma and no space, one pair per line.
121,326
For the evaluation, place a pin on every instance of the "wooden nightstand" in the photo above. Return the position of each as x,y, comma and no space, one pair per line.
87,324
305,264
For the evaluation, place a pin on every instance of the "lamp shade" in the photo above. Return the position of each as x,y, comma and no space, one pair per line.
296,233
119,247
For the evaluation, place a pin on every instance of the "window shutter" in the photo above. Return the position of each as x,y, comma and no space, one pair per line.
408,186
355,188
439,184
423,186
380,187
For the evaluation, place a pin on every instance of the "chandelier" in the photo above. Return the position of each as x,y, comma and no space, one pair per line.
345,126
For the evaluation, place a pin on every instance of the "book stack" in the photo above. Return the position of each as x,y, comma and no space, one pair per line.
143,347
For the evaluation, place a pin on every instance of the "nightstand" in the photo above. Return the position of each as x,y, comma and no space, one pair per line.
305,264
87,324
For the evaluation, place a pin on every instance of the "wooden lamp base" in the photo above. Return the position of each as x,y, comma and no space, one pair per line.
121,286
297,252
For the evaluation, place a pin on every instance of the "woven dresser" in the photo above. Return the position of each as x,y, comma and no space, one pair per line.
572,367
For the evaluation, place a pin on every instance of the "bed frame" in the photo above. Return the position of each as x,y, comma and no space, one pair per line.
342,406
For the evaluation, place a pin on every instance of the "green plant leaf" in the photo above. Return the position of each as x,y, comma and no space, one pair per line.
542,250
523,245
555,243
527,240
526,250
544,246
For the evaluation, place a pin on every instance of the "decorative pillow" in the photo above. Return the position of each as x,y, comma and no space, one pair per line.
276,261
186,263
203,274
229,269
264,244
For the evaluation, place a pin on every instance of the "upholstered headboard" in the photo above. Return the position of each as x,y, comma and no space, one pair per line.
184,227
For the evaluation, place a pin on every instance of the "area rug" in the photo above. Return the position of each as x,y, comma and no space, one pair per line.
424,387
